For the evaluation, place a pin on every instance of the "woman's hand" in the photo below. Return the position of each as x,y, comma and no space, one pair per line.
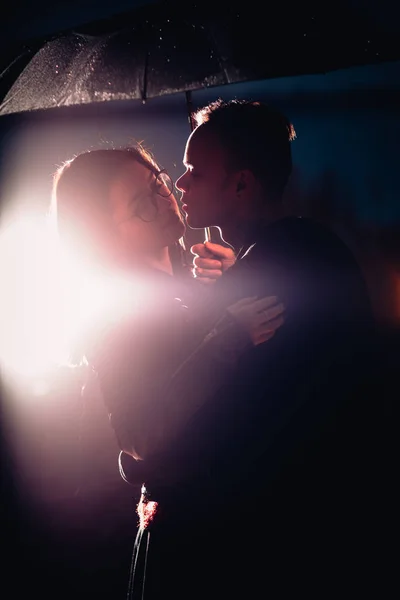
210,261
261,318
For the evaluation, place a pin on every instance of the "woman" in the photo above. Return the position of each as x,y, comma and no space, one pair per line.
158,363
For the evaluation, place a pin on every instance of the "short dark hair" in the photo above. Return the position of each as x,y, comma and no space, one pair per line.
255,136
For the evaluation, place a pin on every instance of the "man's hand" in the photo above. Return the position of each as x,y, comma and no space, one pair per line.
210,261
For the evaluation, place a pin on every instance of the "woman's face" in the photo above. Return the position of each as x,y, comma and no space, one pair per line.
146,217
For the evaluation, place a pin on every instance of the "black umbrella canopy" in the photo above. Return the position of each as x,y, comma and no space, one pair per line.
166,48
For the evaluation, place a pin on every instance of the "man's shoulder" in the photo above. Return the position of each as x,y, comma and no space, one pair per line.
297,238
307,265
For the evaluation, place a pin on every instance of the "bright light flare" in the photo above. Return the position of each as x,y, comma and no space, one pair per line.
47,301
27,314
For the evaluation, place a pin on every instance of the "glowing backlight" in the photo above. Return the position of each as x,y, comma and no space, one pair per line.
47,301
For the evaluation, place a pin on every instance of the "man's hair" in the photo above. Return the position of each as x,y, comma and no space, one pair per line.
255,136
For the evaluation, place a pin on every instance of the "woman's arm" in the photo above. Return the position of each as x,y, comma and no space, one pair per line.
147,414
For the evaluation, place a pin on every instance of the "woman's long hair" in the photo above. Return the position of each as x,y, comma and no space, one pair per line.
80,211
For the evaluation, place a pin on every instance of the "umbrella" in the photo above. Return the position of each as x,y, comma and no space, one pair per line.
168,47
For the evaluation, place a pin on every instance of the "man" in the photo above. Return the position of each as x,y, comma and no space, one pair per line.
250,489
271,452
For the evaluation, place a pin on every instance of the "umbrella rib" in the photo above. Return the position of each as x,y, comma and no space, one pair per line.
145,75
17,93
220,58
13,62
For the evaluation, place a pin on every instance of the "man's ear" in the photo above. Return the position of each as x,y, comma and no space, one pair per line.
245,180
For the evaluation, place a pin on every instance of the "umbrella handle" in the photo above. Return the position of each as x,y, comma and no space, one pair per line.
189,105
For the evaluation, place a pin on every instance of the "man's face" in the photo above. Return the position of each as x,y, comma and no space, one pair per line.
208,191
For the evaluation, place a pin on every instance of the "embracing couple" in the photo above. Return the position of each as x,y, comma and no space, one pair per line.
223,383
